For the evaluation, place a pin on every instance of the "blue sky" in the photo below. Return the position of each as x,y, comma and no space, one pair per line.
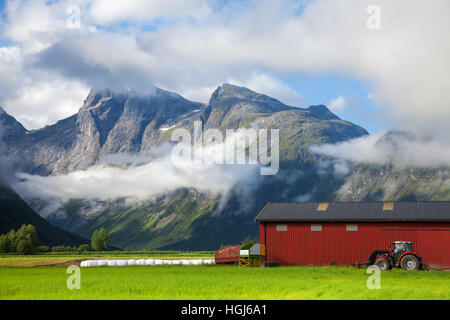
2,9
321,89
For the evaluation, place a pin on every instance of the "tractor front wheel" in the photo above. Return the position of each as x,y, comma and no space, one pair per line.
410,262
382,263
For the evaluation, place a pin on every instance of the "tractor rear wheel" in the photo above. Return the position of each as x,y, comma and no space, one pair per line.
382,263
410,262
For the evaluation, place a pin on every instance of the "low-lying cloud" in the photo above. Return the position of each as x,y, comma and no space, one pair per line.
400,149
142,177
142,182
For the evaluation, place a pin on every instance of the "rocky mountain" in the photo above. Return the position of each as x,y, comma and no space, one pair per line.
10,128
233,107
396,180
107,123
390,183
111,123
117,123
186,218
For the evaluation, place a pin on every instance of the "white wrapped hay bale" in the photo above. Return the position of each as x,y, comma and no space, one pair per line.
102,263
150,262
92,263
112,263
140,262
122,263
145,262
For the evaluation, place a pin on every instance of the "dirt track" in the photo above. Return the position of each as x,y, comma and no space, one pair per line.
62,264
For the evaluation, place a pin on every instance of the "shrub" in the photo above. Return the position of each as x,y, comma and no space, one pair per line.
12,241
43,249
248,243
58,249
26,237
25,246
4,244
84,248
99,240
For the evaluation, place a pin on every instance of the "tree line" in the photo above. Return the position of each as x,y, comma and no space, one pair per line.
25,241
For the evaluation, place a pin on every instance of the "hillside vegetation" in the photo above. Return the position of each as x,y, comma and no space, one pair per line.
14,212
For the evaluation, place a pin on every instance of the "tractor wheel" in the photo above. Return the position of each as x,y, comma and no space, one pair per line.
410,262
382,263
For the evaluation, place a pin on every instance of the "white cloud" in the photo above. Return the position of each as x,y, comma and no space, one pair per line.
330,36
338,105
62,99
112,11
271,86
106,183
36,97
33,24
401,149
199,94
157,174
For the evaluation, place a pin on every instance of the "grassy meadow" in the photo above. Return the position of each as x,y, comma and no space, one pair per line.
220,282
68,258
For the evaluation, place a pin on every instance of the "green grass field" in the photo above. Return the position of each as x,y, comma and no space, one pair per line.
220,282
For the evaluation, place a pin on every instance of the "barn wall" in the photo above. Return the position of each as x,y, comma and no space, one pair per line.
301,246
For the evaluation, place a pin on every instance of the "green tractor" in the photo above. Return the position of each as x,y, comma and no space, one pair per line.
401,254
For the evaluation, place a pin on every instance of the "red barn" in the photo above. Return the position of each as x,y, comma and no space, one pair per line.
345,233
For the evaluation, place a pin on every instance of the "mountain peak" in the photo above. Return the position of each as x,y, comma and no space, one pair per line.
322,112
230,90
96,95
227,91
13,127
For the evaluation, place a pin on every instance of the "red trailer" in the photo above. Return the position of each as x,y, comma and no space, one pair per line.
228,255
346,233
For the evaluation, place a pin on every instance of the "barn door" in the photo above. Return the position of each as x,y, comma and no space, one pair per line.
434,247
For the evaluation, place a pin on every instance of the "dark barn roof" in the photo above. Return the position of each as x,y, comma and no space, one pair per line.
438,211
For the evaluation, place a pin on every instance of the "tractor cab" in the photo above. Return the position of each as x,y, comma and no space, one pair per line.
400,247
